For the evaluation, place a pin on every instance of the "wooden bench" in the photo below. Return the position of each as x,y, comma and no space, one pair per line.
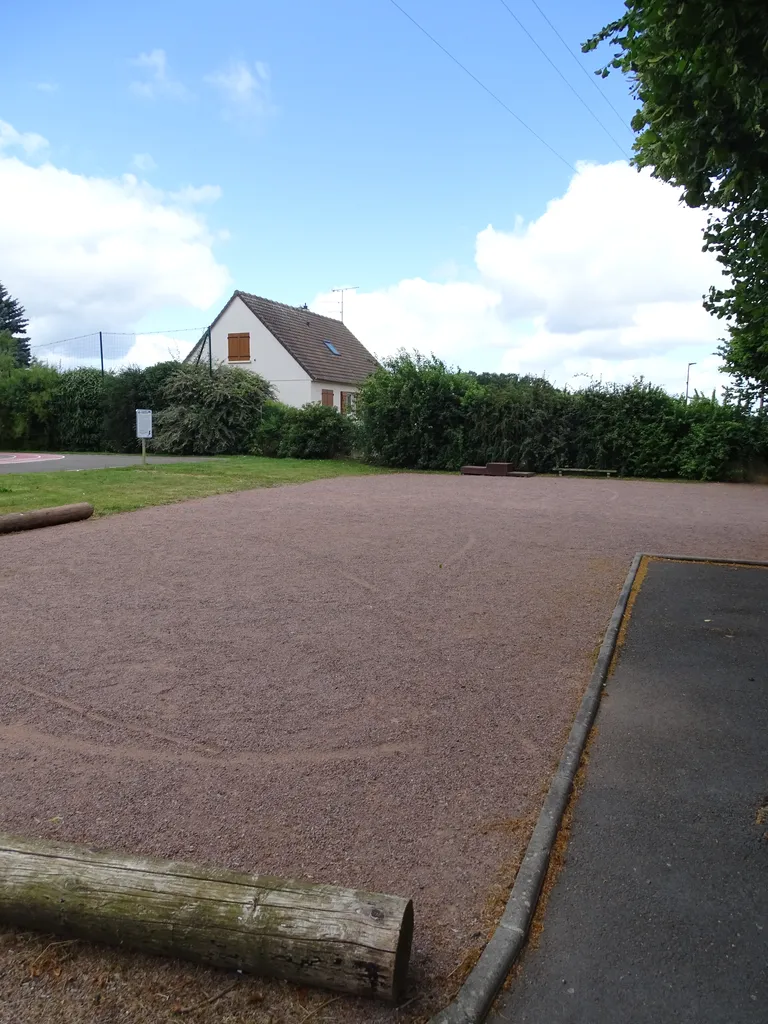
588,472
494,469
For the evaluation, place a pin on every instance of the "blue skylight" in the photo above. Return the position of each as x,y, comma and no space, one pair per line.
332,348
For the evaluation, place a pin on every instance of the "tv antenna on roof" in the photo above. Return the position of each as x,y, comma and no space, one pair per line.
347,288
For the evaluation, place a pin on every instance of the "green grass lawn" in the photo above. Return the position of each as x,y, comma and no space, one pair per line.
121,490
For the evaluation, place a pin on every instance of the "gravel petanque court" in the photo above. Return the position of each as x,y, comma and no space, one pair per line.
362,680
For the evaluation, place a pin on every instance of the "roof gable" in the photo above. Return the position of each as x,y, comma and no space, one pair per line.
303,334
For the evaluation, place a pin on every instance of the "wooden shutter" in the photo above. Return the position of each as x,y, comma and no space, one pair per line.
239,346
346,401
327,398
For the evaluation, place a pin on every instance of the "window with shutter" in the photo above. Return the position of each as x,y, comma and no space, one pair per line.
239,347
347,401
327,397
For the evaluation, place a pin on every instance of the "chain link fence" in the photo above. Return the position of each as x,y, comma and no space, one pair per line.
111,351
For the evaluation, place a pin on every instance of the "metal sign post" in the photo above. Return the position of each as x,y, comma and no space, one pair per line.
144,430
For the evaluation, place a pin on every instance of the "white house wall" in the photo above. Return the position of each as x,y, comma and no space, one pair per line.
292,384
318,387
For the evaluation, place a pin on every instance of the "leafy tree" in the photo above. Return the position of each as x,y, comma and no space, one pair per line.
13,320
698,69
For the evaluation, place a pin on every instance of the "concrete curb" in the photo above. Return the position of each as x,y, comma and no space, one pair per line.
482,986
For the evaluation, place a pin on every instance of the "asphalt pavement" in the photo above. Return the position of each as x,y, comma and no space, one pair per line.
44,463
660,913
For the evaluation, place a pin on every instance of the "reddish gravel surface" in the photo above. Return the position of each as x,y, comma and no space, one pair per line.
365,681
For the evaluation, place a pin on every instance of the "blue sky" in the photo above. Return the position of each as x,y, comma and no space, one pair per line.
344,147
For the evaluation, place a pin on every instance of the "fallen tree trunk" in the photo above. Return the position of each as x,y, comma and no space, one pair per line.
341,939
12,521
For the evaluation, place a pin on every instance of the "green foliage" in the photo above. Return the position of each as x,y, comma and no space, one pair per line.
26,399
316,432
635,428
209,413
13,321
312,432
124,393
412,413
698,71
79,411
269,432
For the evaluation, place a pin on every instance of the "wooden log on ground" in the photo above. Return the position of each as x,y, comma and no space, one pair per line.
324,935
12,521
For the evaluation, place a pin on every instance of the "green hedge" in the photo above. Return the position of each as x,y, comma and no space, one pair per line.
413,412
197,412
417,413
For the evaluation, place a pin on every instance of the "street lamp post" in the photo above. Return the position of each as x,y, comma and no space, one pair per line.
688,380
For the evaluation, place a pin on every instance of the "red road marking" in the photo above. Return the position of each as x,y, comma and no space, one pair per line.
6,458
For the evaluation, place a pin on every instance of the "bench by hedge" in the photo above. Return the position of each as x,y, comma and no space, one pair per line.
587,472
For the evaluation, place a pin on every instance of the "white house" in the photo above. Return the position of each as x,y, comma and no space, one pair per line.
306,357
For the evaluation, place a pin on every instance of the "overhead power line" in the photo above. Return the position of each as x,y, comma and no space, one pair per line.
583,70
549,60
483,86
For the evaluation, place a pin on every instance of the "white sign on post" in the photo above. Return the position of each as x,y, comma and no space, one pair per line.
144,423
143,430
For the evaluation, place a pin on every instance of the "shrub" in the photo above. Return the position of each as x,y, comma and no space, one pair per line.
79,411
209,413
26,399
269,432
412,413
124,393
316,432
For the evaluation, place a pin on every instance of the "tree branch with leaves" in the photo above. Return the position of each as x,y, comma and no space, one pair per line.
698,71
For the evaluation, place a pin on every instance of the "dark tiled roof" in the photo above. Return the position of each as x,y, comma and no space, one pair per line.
303,333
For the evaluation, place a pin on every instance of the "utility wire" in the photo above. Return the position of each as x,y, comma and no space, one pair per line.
484,87
583,70
581,100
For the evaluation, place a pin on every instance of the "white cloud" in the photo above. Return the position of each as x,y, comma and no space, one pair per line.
607,282
157,80
47,87
29,142
191,195
148,349
246,92
84,253
143,162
